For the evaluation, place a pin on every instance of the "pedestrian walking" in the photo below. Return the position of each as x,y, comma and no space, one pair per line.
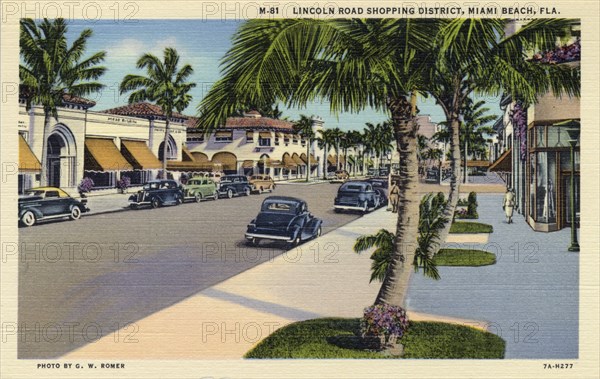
508,204
394,196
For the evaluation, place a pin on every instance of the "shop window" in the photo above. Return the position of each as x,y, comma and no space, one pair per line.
264,141
557,137
532,170
565,161
545,194
540,136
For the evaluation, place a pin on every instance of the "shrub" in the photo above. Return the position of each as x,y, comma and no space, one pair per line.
124,183
472,205
388,322
86,185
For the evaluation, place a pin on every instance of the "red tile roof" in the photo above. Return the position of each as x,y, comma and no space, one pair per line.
68,98
248,123
141,109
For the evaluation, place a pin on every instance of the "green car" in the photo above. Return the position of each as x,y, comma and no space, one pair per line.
199,188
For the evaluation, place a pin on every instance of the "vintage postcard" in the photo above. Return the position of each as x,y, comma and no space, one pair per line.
271,189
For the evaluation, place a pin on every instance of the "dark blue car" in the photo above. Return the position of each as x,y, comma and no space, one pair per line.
234,185
356,195
45,203
157,193
283,218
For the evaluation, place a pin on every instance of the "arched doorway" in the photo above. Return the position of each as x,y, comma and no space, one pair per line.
171,149
61,159
261,164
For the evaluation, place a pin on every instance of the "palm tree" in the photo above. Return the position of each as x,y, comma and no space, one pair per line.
474,129
51,69
165,84
353,64
304,127
337,134
476,56
435,154
422,145
353,141
431,220
325,141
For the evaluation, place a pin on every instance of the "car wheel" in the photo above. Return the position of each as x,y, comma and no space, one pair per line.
319,232
229,193
272,187
198,197
133,206
247,191
365,207
155,203
260,190
216,195
178,200
75,213
253,241
28,218
296,241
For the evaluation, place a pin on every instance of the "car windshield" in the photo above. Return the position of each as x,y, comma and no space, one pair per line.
153,185
283,207
195,182
352,187
226,179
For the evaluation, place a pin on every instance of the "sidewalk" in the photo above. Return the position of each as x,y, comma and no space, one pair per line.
530,296
107,203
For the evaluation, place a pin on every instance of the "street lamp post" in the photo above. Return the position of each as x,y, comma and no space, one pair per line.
573,136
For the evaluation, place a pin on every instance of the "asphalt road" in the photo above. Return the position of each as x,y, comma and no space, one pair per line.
80,280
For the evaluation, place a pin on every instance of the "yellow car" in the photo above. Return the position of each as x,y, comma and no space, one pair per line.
261,183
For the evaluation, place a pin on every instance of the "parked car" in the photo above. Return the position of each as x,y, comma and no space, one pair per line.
156,193
342,175
356,195
381,185
199,188
260,183
215,176
234,185
283,218
45,203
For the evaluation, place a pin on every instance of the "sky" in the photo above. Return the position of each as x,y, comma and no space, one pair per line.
202,44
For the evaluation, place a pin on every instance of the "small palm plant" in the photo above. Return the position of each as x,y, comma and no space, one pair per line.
431,221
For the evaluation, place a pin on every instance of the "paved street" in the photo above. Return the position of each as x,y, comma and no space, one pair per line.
106,270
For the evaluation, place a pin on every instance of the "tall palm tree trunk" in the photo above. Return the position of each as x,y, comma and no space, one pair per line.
44,162
166,141
308,165
395,285
325,150
455,179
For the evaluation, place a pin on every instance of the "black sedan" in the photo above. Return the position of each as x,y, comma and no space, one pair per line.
46,203
157,193
283,218
358,196
381,186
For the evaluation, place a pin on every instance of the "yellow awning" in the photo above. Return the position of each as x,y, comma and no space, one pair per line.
274,163
288,161
248,164
186,155
473,163
503,163
102,154
27,159
265,135
189,166
139,155
224,134
200,157
298,161
331,159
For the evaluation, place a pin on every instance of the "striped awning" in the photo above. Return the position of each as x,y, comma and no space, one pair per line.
473,163
224,134
101,154
503,163
200,157
265,135
288,161
331,159
28,162
298,161
227,160
274,163
139,155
